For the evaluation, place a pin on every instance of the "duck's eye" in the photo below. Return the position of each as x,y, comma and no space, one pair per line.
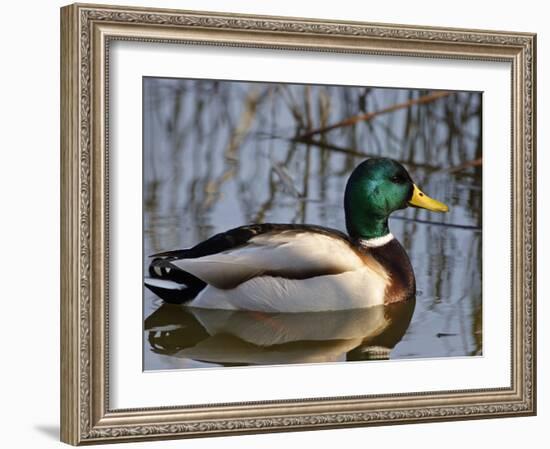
398,179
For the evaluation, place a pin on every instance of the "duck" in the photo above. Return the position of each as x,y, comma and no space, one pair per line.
296,268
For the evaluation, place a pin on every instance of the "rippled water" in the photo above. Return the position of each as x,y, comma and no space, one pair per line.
222,154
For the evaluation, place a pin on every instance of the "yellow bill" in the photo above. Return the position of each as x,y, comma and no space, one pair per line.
420,199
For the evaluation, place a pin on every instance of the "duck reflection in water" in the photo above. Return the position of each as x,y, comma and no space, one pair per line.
240,338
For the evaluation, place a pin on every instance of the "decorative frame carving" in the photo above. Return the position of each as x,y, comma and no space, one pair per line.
87,31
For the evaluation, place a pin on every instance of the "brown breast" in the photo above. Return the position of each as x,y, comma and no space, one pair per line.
394,260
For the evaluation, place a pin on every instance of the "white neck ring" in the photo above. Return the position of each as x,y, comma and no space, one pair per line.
377,241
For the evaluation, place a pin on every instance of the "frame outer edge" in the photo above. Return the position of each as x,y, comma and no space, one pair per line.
530,217
83,418
534,220
69,132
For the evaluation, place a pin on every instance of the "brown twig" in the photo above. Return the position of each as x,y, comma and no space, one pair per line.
369,115
356,153
330,146
474,163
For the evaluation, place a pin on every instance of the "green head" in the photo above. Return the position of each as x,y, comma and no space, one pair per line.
376,188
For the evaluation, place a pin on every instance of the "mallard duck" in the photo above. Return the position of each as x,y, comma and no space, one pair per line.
289,268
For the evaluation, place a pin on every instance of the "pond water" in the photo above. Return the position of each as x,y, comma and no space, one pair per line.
221,154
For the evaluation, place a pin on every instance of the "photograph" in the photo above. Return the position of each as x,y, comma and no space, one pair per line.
276,223
301,223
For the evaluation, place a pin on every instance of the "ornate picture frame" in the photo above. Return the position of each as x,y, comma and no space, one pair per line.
87,31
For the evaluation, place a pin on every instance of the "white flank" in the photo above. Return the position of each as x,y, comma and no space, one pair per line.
349,290
289,253
163,283
377,241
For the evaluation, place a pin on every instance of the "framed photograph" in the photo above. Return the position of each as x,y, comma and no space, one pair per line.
281,224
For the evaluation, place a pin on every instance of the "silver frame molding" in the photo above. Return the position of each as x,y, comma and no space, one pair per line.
86,33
